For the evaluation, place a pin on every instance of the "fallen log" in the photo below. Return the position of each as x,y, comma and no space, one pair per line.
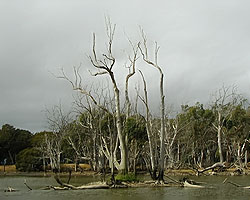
218,165
187,184
25,183
65,186
60,188
235,184
101,186
175,181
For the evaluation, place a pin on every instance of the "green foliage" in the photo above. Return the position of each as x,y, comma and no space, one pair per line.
135,127
68,153
38,139
29,160
130,177
238,124
12,141
107,124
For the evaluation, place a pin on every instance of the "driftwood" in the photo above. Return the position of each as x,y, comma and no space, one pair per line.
60,188
102,185
66,186
187,184
25,183
10,189
218,165
235,184
175,181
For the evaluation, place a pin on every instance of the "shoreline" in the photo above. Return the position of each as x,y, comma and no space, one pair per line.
169,172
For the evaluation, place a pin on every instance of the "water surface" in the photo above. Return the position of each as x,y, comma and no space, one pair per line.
215,190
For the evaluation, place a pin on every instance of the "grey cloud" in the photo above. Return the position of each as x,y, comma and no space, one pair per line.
203,45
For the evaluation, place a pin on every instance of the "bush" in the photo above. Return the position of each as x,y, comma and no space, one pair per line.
28,160
130,177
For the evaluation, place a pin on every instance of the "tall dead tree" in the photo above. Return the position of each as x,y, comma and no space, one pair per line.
153,167
131,73
104,66
144,52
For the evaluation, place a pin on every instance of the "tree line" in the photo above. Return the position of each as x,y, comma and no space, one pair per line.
198,136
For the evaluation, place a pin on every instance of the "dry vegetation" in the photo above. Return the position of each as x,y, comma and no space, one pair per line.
8,168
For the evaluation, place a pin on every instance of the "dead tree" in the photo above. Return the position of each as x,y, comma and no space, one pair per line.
58,122
131,73
175,126
153,167
144,52
218,165
223,104
104,66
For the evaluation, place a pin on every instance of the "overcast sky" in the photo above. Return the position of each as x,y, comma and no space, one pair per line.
204,44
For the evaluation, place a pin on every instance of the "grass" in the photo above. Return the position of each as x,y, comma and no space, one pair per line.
130,177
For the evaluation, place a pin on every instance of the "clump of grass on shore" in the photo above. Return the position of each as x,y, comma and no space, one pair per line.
130,177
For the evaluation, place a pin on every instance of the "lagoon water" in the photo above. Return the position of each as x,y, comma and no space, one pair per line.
215,190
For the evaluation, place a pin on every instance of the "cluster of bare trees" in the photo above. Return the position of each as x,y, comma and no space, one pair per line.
111,108
110,132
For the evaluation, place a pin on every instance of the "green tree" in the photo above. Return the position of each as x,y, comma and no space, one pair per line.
29,159
237,134
12,141
135,129
196,138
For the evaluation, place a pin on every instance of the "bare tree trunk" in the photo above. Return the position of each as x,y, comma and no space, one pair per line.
44,166
201,159
105,66
76,160
178,151
193,154
149,131
227,156
124,154
162,142
127,101
154,63
170,158
219,139
239,156
246,157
